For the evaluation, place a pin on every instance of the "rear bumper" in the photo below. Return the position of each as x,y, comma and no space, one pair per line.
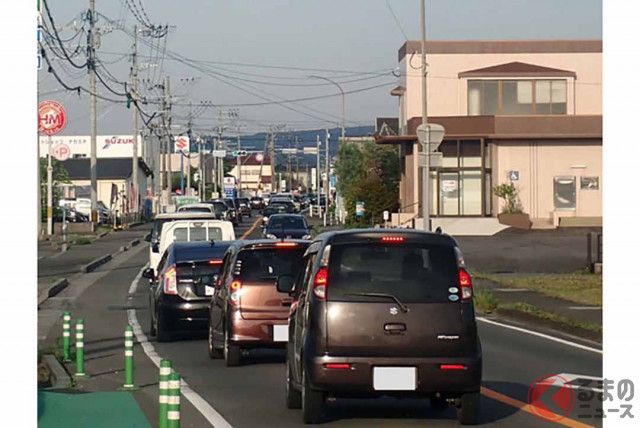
358,379
255,333
183,315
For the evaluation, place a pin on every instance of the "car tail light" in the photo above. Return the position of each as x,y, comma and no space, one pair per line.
234,288
338,366
286,244
320,283
464,279
170,281
215,262
452,367
392,239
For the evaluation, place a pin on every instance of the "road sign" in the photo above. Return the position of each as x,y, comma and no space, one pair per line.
310,150
61,152
514,175
182,144
218,153
259,157
289,151
359,209
51,117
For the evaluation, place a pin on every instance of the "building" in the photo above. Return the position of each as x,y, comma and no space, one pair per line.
521,112
107,146
256,174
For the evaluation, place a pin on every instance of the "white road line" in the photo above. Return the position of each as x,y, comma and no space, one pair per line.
511,290
542,335
585,308
210,414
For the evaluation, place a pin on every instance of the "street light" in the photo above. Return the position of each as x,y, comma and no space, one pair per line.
430,135
343,100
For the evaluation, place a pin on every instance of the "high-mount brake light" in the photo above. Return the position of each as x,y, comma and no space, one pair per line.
320,283
215,262
466,286
170,281
453,367
392,239
286,244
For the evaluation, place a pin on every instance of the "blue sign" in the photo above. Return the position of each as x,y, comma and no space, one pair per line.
230,192
359,209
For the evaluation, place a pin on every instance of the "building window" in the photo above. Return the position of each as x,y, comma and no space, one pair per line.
516,97
564,193
589,183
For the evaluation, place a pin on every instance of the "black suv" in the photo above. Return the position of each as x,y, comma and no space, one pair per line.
379,312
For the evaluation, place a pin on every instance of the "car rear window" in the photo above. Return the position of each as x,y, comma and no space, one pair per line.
197,233
286,223
266,264
194,210
412,273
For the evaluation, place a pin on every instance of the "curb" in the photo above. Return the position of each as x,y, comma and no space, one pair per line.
60,375
93,265
129,246
54,289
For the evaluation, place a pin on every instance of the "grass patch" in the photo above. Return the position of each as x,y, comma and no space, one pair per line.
79,240
576,287
485,301
550,316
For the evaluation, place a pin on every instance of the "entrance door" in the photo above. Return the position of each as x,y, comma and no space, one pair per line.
449,191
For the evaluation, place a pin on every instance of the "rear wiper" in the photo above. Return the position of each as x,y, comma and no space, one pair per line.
401,305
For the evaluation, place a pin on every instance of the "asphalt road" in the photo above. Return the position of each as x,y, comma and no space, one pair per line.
253,395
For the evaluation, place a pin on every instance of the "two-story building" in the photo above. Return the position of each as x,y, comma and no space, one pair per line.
521,112
254,174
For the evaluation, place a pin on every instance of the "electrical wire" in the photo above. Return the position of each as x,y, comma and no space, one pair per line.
57,37
395,18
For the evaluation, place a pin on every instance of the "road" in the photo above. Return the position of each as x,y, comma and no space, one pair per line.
253,395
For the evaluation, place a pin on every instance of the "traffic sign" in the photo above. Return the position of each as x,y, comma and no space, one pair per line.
218,153
51,117
61,152
310,150
259,157
182,144
289,151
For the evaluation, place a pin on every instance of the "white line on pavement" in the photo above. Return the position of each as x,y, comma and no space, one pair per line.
210,414
544,336
585,308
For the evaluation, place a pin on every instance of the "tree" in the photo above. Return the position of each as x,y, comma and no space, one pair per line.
59,176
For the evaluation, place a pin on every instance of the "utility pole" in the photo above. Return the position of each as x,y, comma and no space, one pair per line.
326,182
318,174
425,146
189,133
167,96
91,66
239,166
272,156
134,155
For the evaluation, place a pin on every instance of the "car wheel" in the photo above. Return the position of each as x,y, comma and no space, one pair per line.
438,404
161,329
312,402
469,410
231,352
214,353
294,397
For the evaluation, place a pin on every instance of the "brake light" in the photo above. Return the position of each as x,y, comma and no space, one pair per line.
286,244
235,292
320,283
464,279
170,281
338,366
452,367
215,262
392,239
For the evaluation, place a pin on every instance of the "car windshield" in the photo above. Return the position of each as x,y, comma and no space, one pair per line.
268,264
412,273
286,223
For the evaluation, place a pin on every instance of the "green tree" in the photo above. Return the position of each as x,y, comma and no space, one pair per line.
59,176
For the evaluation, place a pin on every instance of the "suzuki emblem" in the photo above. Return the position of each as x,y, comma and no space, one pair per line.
393,310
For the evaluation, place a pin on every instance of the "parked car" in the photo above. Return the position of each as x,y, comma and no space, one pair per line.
247,311
286,226
179,295
383,313
196,208
194,230
245,206
257,203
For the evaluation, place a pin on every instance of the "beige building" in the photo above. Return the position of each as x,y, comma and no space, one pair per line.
254,174
521,112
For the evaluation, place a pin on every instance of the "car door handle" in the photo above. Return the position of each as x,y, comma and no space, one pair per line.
395,327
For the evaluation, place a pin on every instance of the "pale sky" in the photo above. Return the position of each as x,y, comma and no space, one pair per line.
352,41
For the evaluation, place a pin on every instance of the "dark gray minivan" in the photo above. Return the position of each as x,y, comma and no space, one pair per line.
383,312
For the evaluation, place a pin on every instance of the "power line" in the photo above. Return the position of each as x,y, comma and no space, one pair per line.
395,18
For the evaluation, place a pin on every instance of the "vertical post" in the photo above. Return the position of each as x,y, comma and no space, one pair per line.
182,172
49,191
425,145
167,95
66,337
326,188
91,65
173,405
163,401
239,167
318,176
272,155
80,348
128,358
134,154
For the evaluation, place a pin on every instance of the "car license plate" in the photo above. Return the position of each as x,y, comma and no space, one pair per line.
208,291
394,378
280,333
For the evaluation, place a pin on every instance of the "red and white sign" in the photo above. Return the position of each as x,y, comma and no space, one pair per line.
51,117
259,157
182,144
61,152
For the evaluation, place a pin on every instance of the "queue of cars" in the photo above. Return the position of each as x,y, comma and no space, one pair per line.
360,313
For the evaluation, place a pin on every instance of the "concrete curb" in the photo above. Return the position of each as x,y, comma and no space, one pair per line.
61,379
52,290
129,246
91,266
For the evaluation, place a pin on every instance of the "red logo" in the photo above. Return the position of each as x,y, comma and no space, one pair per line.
61,152
181,143
51,117
550,398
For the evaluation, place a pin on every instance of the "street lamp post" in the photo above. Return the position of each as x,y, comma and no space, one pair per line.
343,101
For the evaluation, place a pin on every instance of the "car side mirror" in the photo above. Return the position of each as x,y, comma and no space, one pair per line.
155,247
285,284
148,273
148,238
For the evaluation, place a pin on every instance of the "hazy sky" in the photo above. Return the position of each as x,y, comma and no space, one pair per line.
351,37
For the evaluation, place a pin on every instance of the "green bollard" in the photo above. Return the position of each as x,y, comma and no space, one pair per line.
66,337
173,408
165,372
80,348
128,359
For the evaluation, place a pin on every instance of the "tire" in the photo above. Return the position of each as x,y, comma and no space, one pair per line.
294,397
214,353
161,329
438,404
312,402
469,410
231,352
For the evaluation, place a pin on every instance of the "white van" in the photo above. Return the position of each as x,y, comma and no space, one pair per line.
193,230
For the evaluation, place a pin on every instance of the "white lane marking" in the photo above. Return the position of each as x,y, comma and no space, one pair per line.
511,290
585,308
542,335
210,414
570,380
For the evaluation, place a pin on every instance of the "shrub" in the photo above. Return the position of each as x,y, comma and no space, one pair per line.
509,193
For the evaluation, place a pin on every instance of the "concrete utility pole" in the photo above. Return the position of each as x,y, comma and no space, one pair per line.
272,156
91,65
326,188
49,190
168,142
318,175
426,212
239,166
134,95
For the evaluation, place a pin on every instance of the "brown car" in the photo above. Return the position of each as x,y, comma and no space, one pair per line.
383,312
247,311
